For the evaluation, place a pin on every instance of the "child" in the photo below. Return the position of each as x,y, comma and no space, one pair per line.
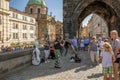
107,57
47,52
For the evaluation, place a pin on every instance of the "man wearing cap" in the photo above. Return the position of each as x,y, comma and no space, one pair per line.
100,45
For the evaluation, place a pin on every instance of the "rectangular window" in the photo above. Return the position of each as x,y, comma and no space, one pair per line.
25,27
13,15
15,26
31,35
0,5
24,18
16,16
15,35
0,19
24,35
0,35
31,27
31,20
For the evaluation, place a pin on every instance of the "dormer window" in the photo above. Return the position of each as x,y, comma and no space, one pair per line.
38,10
31,10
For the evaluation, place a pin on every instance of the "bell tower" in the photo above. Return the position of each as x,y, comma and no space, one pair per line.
36,7
39,10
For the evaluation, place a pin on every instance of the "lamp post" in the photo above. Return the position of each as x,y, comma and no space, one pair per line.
47,36
37,26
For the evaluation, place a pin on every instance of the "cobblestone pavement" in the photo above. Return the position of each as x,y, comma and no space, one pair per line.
69,70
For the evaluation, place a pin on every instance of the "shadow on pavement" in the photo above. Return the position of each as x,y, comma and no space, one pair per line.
43,69
83,68
95,75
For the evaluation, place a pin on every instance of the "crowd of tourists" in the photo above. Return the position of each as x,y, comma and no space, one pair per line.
106,51
15,49
101,50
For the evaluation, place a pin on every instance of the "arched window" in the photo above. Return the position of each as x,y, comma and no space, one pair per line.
38,10
31,10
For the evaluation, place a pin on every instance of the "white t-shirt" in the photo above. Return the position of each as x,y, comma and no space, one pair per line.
116,43
100,43
107,59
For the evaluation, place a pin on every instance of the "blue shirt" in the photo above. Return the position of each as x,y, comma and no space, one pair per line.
93,47
86,41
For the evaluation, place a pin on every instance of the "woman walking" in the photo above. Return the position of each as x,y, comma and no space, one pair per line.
116,47
46,51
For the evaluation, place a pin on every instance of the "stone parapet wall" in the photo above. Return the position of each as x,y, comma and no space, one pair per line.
12,61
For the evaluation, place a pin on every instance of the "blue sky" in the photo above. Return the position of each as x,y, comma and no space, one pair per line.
54,6
85,21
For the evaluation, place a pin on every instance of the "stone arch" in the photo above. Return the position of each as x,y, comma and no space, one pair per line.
107,9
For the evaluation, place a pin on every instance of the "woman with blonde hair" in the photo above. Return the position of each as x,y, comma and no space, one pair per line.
107,57
116,47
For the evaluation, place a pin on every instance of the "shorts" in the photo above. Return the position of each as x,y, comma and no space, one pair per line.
86,45
117,60
47,53
107,70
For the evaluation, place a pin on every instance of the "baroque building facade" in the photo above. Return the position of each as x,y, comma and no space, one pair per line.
11,25
46,23
84,32
24,27
74,12
97,26
4,20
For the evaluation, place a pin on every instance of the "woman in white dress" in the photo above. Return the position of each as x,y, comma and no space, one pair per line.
36,54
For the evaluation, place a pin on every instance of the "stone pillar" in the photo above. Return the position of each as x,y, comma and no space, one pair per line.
65,30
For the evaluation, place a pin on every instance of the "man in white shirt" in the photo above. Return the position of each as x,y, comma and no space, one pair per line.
100,45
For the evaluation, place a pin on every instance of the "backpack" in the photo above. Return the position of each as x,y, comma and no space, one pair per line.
76,59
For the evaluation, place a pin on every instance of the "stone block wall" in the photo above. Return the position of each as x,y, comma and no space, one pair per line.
13,61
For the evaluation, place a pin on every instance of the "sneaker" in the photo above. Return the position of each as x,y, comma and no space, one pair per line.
72,60
91,66
48,61
57,67
45,61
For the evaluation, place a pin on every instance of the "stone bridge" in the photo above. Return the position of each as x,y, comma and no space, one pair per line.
17,66
12,61
74,11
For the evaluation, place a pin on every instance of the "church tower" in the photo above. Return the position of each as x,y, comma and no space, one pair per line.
39,10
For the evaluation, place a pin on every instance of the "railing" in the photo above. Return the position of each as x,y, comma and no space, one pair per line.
12,61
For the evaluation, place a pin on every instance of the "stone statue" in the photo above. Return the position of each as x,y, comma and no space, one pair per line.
36,54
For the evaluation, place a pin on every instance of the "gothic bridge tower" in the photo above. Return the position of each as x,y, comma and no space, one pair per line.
74,12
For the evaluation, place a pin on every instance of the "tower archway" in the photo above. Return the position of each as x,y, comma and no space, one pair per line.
106,9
